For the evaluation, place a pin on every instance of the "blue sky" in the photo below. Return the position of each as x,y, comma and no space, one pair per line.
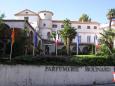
71,9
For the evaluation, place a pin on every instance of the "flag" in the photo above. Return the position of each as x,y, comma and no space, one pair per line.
56,41
35,39
96,41
114,75
13,37
78,39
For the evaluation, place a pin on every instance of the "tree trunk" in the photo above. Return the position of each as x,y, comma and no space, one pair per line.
68,46
110,23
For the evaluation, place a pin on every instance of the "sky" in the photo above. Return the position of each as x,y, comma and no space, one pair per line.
71,9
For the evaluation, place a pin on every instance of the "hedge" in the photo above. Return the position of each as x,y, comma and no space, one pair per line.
61,61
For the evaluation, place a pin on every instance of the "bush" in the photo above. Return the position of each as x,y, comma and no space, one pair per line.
88,60
62,51
40,60
93,61
103,51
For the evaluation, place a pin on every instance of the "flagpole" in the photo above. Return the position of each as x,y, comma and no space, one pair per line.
77,48
56,43
95,49
33,51
12,42
56,49
77,44
95,46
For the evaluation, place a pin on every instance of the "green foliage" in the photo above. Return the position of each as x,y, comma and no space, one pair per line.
61,60
85,56
111,13
4,37
68,34
40,60
93,61
62,51
53,35
107,39
20,41
103,51
5,41
1,18
84,18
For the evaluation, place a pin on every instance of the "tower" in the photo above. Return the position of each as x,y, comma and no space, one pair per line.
45,24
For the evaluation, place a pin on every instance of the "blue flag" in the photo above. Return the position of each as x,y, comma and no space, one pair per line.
35,39
77,41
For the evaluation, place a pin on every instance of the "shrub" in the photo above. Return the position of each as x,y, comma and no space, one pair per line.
64,61
103,51
93,61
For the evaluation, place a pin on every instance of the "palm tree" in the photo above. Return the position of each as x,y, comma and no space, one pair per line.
53,35
108,39
84,18
1,18
110,15
68,34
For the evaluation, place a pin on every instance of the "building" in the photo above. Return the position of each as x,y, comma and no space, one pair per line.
43,23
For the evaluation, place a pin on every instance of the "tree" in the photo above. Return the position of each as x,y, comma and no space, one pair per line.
84,18
110,15
68,34
4,36
1,18
53,35
108,39
20,42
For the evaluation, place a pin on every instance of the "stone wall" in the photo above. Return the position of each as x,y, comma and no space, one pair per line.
23,75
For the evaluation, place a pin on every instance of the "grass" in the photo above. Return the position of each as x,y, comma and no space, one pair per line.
87,56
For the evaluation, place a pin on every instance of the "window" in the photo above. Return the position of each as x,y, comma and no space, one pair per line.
95,27
79,27
54,26
44,25
88,27
88,39
62,26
